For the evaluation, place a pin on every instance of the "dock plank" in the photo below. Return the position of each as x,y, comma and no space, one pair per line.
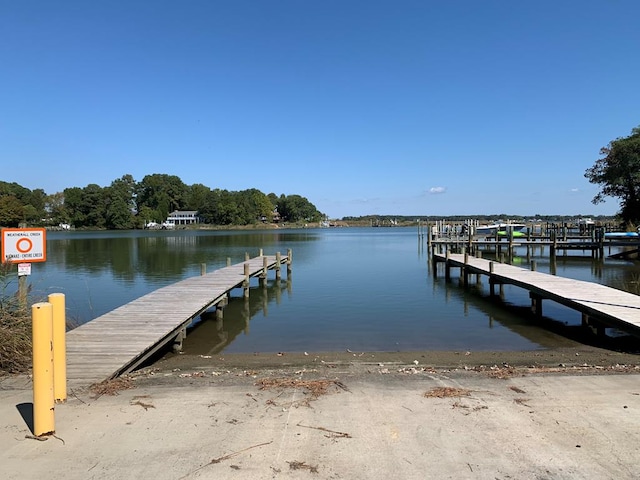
614,308
115,342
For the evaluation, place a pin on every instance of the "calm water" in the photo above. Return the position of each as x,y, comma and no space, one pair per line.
354,288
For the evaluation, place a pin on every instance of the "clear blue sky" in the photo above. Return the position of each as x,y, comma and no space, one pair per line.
364,107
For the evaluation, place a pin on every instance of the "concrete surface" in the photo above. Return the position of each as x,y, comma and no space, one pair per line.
374,422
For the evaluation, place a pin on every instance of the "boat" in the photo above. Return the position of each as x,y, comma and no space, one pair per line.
517,229
621,235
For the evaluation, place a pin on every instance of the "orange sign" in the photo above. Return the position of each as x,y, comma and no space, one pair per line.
24,245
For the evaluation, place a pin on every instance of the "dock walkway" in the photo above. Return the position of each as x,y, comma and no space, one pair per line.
119,341
601,306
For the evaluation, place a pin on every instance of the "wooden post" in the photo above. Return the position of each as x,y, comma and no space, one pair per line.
203,269
533,265
601,244
491,280
260,253
434,265
228,261
536,304
278,261
263,275
585,320
289,260
22,291
246,256
447,268
465,270
245,283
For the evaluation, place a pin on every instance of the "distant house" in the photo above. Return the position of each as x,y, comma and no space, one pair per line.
183,217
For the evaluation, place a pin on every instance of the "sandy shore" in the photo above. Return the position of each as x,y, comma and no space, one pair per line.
562,414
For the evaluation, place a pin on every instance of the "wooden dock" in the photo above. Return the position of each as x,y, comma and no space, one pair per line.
600,306
121,340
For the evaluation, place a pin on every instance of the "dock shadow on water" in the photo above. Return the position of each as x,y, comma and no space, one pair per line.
210,335
506,309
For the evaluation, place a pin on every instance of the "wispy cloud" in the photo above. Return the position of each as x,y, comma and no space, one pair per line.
574,190
437,190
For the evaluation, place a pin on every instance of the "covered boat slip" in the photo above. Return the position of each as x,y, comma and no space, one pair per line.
121,340
601,306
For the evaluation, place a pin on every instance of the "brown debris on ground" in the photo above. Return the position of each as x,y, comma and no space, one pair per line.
315,388
446,392
302,466
111,387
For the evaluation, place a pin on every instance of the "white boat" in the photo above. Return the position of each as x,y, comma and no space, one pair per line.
517,229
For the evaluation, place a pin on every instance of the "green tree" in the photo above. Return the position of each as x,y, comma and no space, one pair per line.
55,207
86,207
162,193
253,206
120,203
294,208
197,195
618,174
11,211
32,202
220,208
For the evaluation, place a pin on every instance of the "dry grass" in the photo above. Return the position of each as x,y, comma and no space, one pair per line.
447,392
15,326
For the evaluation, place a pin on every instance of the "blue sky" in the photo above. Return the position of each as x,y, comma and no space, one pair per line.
364,107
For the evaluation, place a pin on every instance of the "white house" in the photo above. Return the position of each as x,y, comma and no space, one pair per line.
183,217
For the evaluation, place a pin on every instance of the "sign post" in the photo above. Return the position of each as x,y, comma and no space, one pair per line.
23,246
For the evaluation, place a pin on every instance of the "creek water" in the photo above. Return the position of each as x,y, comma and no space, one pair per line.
362,289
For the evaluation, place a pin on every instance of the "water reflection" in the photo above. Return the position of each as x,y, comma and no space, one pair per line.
211,335
155,255
358,288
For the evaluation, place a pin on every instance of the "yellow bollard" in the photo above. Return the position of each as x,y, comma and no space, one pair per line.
43,402
59,347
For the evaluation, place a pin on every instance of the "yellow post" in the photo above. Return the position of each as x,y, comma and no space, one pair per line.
43,401
59,347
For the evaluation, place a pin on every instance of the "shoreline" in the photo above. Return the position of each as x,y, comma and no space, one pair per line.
578,357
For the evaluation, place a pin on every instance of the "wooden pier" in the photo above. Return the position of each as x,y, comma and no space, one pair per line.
600,306
121,340
557,239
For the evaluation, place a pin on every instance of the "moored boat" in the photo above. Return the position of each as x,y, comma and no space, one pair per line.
502,229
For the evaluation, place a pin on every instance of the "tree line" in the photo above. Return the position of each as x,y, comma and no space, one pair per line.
618,175
127,204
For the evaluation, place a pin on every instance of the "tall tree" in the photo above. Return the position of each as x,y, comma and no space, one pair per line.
618,174
294,208
11,211
120,203
86,206
197,196
56,209
162,193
